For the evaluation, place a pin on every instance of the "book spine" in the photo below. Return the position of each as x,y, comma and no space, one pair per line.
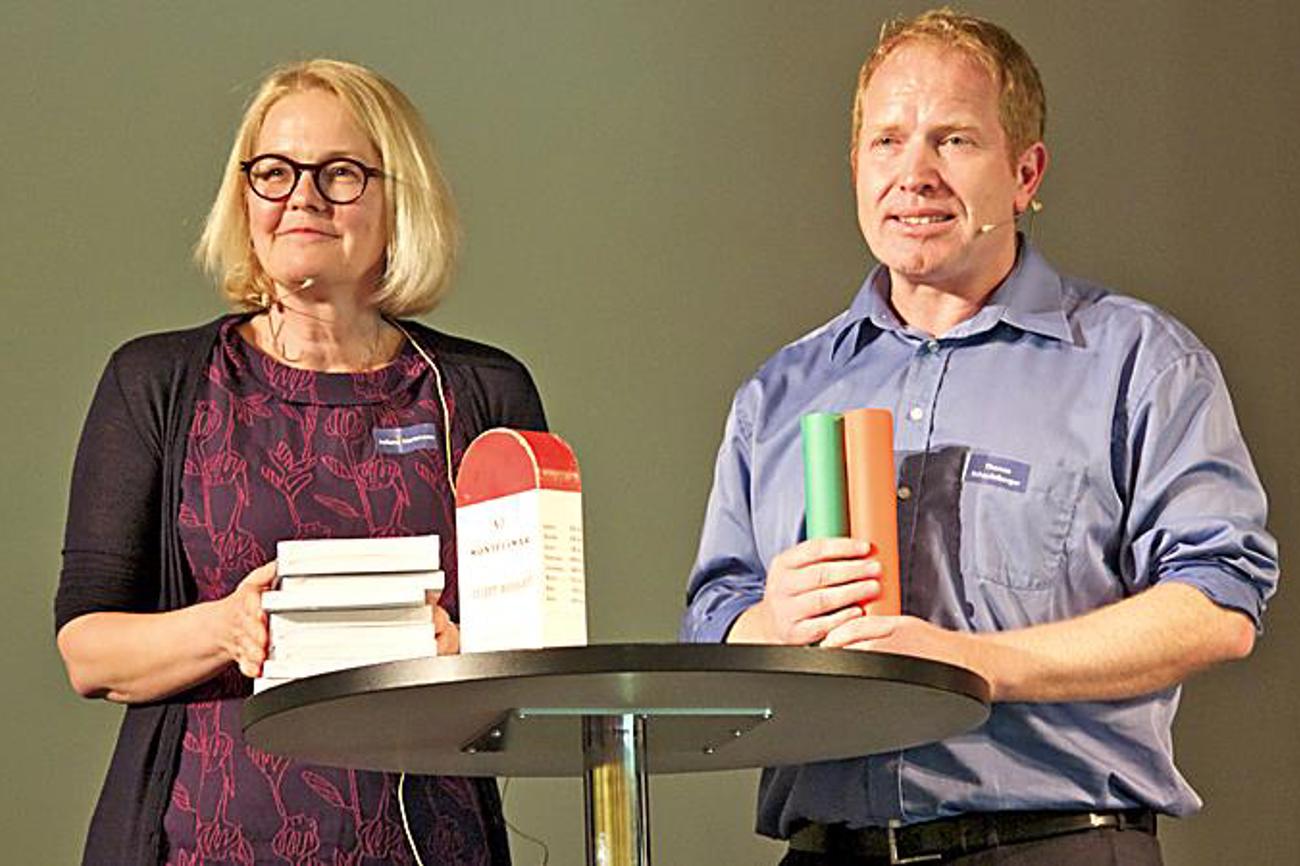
305,599
365,555
289,620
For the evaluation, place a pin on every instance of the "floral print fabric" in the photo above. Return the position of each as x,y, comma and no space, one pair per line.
275,453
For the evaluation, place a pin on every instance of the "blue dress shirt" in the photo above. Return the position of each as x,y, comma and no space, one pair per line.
1062,449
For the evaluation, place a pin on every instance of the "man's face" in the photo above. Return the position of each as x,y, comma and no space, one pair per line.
932,172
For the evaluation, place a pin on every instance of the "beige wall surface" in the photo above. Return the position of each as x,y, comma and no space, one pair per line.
656,197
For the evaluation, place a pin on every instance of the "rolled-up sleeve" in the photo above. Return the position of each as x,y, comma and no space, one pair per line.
1198,510
728,575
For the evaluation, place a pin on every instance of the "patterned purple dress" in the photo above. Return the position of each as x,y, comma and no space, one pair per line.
278,453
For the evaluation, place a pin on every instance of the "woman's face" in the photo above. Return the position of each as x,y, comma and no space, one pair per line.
339,247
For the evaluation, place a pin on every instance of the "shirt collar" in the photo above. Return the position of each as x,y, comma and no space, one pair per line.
1030,299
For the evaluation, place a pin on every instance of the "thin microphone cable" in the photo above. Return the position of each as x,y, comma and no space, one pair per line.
406,823
546,850
442,400
451,483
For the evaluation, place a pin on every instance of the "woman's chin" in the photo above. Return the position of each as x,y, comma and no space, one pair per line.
295,278
293,269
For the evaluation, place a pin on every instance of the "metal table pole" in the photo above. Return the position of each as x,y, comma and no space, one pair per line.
616,789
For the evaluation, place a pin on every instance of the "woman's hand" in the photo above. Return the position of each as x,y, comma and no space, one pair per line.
245,636
135,658
445,632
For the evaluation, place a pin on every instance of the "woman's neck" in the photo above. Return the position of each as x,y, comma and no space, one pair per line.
326,335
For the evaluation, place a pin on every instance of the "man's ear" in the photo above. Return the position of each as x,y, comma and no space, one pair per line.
1030,168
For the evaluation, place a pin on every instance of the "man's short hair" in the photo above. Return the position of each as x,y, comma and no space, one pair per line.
1022,105
421,225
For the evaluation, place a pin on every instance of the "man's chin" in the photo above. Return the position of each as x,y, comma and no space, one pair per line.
916,266
911,255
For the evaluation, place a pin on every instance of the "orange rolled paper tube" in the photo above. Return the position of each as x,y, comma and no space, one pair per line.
873,502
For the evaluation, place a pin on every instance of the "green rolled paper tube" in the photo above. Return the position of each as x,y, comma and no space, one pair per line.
826,509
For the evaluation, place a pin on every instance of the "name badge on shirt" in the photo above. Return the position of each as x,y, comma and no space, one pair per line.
403,440
999,471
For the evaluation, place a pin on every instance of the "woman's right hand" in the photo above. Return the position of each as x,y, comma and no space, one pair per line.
140,657
245,637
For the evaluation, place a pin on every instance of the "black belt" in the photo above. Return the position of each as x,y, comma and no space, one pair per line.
933,841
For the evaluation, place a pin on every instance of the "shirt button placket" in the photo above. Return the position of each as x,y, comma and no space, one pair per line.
916,402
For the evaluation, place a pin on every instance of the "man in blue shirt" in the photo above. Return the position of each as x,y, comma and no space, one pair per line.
1079,519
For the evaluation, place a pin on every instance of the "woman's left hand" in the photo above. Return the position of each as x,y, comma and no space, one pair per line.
445,632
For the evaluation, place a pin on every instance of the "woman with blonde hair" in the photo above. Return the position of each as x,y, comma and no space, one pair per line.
205,447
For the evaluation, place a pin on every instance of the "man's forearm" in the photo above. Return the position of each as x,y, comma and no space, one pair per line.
1140,645
1134,647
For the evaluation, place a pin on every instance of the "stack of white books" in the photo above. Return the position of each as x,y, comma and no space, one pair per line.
347,602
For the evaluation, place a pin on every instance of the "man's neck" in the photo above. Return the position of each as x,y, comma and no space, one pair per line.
932,309
936,307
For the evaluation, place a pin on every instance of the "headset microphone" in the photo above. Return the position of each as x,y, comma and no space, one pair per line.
988,227
1035,205
265,300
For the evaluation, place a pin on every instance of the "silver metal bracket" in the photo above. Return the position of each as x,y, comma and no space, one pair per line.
894,859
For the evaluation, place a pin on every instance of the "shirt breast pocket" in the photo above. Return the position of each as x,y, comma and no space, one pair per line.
1017,536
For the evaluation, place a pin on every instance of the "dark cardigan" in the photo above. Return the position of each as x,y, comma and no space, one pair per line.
122,548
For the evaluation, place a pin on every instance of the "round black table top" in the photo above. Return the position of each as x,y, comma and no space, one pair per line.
707,707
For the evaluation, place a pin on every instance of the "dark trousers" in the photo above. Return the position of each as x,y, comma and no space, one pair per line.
1106,846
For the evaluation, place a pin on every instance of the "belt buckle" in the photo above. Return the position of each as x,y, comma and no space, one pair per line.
896,860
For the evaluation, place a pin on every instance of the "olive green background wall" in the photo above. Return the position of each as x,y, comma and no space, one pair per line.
656,197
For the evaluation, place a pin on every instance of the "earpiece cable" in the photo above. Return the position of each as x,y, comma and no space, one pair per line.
442,400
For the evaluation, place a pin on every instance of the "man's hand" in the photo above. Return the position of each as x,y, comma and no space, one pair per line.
908,635
811,589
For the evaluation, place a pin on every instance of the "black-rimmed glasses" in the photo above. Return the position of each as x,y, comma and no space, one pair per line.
275,177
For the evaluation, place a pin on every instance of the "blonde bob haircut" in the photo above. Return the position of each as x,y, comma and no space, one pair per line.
423,231
1022,104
